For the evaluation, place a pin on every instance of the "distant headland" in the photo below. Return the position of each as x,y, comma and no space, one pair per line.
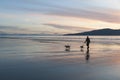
100,32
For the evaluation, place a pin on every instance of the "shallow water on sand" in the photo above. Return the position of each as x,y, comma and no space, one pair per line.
45,58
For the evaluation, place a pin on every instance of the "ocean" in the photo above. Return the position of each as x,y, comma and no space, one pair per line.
46,58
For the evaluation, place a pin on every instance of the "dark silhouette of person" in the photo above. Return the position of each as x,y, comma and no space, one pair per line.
87,41
87,54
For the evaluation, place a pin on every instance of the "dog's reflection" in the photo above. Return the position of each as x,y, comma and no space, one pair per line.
87,55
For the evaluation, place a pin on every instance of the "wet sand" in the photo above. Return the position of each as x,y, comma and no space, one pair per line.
33,59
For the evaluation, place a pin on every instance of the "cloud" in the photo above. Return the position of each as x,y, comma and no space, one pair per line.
69,8
80,9
11,28
89,12
70,28
110,16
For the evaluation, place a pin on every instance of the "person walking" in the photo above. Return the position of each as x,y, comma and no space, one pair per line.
87,41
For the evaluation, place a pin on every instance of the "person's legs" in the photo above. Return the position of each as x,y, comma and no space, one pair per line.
87,45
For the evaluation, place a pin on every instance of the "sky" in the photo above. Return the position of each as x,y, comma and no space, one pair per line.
58,16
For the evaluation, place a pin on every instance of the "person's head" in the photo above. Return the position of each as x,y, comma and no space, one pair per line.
87,36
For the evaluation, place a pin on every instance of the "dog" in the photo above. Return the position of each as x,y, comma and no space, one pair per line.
67,47
81,47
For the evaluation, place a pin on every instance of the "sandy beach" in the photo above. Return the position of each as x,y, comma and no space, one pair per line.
45,58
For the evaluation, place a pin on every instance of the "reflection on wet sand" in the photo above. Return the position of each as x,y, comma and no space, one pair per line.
87,55
45,60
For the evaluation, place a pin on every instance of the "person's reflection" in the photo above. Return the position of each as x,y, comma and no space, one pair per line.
87,55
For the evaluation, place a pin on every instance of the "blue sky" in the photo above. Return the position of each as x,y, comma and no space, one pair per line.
58,16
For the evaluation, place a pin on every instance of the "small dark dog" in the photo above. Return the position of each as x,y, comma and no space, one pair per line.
67,47
81,47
